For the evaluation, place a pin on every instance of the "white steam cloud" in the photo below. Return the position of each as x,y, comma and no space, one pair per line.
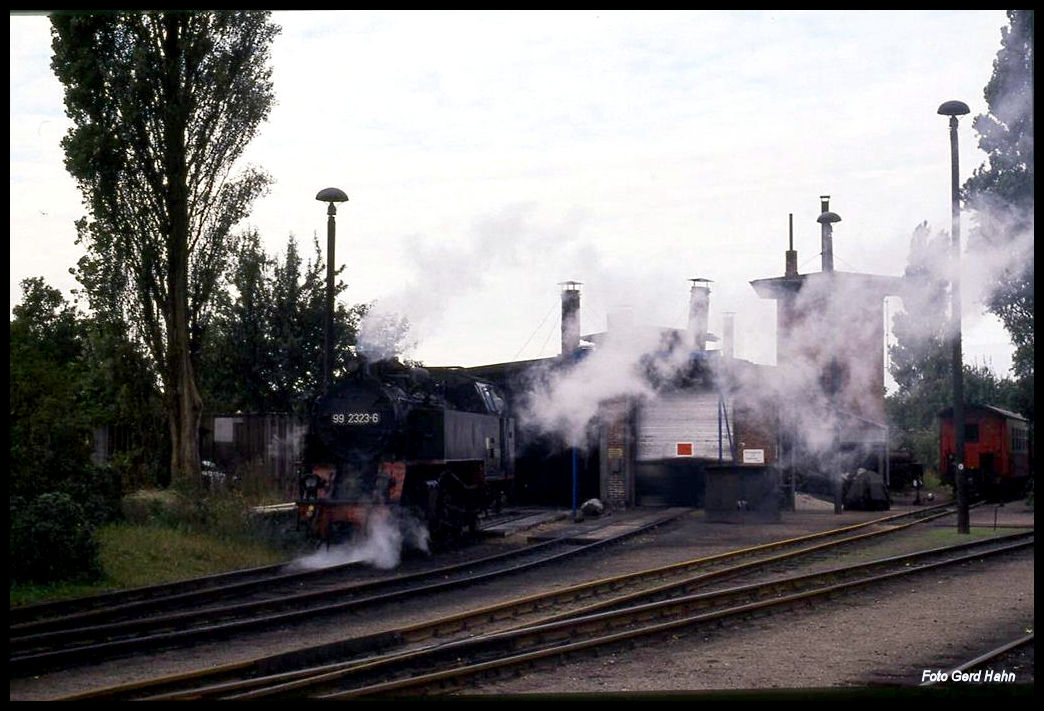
565,401
450,270
999,252
379,545
384,333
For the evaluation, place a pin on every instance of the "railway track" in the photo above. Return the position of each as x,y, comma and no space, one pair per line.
451,667
62,614
632,588
196,612
992,663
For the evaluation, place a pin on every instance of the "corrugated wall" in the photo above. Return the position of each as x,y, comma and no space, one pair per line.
683,425
267,444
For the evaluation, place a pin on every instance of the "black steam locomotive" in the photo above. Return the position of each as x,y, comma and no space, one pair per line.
391,440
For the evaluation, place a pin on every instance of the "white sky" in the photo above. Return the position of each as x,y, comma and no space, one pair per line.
489,156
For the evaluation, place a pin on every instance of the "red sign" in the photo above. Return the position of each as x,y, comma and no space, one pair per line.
684,449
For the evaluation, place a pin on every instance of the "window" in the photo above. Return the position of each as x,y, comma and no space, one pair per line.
1019,438
494,403
971,432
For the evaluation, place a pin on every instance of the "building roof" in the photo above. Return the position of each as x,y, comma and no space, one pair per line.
876,285
947,412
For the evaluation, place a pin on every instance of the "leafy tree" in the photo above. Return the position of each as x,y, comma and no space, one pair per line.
50,427
57,496
162,104
264,348
236,356
293,328
1001,192
299,298
122,387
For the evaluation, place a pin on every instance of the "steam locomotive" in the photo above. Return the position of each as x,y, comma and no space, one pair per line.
408,444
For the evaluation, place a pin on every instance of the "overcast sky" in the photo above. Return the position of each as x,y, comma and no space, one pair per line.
489,156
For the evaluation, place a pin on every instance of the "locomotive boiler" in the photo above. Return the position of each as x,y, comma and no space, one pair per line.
409,444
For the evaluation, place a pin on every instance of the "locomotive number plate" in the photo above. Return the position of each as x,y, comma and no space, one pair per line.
355,418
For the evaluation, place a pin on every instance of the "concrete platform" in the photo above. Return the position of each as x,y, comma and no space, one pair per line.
594,529
529,518
1010,515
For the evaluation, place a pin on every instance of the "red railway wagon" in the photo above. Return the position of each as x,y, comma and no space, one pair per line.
996,449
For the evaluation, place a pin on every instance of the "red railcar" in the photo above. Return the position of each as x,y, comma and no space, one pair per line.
997,449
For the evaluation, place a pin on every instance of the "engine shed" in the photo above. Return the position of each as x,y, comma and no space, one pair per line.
699,433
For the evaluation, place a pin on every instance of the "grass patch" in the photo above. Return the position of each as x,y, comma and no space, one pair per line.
937,537
136,555
145,555
917,538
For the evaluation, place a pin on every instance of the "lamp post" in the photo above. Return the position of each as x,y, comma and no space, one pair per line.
826,222
331,196
953,109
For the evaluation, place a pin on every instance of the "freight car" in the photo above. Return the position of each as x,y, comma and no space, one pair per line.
416,445
997,450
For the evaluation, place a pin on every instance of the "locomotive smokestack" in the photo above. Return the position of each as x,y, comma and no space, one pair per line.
791,258
827,220
699,304
570,317
728,335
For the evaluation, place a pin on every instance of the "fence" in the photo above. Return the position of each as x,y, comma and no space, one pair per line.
268,446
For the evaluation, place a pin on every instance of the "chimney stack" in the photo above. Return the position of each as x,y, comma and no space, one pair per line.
570,317
699,305
827,220
791,259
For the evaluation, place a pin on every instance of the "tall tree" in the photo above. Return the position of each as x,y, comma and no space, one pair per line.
1001,192
163,105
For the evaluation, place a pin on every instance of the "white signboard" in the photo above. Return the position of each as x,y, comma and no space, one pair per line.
753,456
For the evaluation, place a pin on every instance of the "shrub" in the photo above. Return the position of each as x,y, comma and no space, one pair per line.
52,539
163,507
97,491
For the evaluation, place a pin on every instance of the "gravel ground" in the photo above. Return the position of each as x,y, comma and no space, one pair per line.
892,634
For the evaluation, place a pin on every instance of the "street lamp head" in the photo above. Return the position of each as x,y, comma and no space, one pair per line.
954,108
331,195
